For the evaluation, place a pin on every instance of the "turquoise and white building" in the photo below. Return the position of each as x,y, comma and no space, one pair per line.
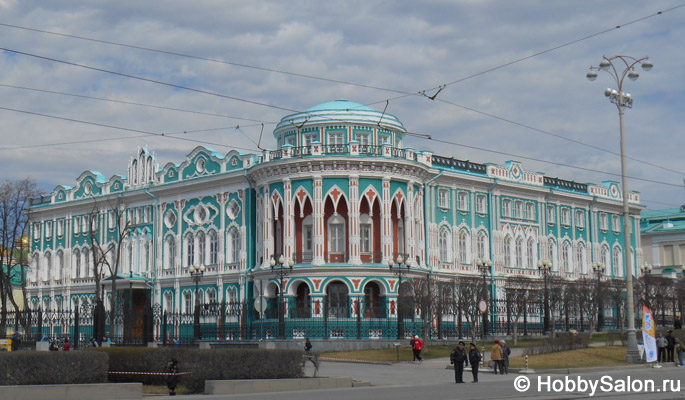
341,196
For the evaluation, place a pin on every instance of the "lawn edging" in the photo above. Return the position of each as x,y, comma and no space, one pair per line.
81,391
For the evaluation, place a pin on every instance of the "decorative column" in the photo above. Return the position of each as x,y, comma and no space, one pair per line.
267,224
289,223
318,222
386,222
353,214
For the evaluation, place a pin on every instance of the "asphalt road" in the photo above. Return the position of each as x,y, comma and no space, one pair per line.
431,380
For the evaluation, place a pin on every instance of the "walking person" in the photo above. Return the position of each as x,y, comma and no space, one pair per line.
496,357
416,346
172,378
661,344
679,351
670,345
458,358
474,360
506,352
67,345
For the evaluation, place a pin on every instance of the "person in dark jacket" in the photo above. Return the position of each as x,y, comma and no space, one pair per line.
670,345
172,378
474,359
458,358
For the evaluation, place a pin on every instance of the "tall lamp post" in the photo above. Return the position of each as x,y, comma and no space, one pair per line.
282,267
544,266
622,100
400,269
484,266
196,273
599,269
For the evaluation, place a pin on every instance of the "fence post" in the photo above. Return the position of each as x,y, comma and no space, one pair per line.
222,319
77,327
40,322
325,318
358,307
525,319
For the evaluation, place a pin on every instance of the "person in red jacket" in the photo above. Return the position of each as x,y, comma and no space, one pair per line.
416,346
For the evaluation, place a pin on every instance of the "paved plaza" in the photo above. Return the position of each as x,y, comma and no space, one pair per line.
432,380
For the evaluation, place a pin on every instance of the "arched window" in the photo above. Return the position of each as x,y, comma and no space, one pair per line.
234,246
507,251
308,236
566,257
45,275
551,254
59,265
580,258
373,306
604,257
366,233
201,248
618,262
213,248
76,270
190,250
519,252
337,300
444,243
530,253
463,247
169,302
303,302
481,245
170,252
336,234
35,264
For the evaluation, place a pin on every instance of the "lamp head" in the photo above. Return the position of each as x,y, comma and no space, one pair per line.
647,65
202,269
408,262
291,263
591,76
281,259
399,259
604,65
272,262
192,269
632,75
607,92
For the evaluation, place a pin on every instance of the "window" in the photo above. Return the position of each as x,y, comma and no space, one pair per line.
481,204
363,138
291,140
309,138
233,210
566,258
190,250
551,253
463,247
213,248
530,210
580,258
76,272
506,208
384,139
211,296
604,257
170,252
481,245
507,251
60,227
443,198
336,234
59,261
48,230
444,240
336,140
603,222
201,248
618,262
77,225
85,226
36,230
616,223
519,253
580,219
338,300
463,201
48,267
170,220
234,254
518,211
168,302
365,232
530,253
551,215
307,234
187,302
565,216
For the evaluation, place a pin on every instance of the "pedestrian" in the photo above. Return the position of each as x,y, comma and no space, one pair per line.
496,357
678,323
172,377
416,346
661,344
67,345
679,350
458,358
16,341
308,353
53,345
474,359
670,345
506,352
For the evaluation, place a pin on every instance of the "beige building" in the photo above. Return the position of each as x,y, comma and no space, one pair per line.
663,240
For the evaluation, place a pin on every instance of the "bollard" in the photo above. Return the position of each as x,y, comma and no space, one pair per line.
397,346
482,357
526,362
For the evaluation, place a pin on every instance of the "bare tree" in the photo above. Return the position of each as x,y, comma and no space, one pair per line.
556,287
520,292
469,293
15,197
427,297
616,294
587,298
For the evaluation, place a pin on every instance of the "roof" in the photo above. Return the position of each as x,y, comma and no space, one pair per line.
663,221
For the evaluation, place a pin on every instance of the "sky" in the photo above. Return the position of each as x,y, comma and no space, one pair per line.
84,84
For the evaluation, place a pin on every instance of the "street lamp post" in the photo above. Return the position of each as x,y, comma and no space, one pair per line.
544,266
623,100
196,273
400,269
484,266
282,267
599,269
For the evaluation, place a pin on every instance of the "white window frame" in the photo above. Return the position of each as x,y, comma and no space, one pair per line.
506,208
336,234
463,201
481,204
580,218
444,198
444,241
551,215
507,251
565,216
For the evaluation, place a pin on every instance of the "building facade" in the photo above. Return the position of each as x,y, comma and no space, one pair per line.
341,197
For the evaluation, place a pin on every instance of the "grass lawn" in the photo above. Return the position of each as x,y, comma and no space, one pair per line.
605,356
